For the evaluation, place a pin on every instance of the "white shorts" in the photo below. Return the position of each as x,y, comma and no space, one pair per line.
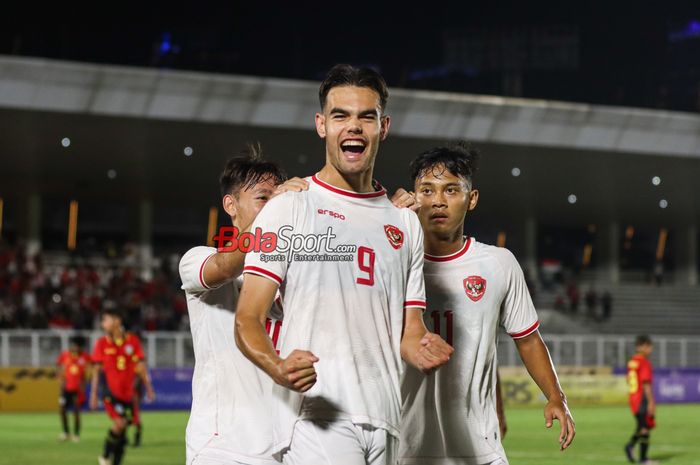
449,461
199,460
213,454
340,442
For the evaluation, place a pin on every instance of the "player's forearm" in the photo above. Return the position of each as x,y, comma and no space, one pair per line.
410,342
94,381
223,267
145,377
649,393
254,342
535,356
499,399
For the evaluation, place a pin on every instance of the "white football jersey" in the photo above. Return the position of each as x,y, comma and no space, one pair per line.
231,418
344,296
449,417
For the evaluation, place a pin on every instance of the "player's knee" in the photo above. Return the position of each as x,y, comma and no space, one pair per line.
119,425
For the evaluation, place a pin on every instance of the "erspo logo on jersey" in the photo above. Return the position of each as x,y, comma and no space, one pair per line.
284,244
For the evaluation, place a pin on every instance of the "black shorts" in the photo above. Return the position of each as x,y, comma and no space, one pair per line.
69,400
118,408
642,416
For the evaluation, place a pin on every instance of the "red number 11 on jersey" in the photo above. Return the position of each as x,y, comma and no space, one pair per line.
437,317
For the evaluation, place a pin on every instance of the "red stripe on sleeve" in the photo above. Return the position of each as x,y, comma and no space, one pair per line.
414,303
201,272
262,272
527,332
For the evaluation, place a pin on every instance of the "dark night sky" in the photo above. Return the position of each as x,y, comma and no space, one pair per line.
623,47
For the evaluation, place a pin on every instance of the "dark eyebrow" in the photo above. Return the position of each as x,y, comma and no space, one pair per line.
372,112
339,110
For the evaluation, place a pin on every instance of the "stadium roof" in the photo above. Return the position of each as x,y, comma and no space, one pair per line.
138,122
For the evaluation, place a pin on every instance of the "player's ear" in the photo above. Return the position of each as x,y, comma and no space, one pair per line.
385,123
473,199
230,205
321,125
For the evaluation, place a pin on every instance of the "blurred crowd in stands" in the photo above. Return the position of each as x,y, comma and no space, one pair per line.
598,307
38,293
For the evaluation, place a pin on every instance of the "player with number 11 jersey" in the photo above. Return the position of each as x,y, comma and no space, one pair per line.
472,289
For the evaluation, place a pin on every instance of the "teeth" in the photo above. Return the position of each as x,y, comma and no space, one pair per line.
354,143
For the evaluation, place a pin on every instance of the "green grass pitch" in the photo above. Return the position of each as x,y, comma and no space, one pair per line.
31,439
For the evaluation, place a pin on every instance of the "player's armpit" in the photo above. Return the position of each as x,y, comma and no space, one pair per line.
419,347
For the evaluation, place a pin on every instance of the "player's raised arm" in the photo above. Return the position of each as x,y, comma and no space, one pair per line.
535,356
227,263
296,372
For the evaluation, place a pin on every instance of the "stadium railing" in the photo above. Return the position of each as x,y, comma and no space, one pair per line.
174,349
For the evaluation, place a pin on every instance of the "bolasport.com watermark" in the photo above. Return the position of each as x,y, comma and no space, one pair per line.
285,245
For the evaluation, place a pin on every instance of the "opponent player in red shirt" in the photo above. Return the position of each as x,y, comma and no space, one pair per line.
639,378
72,365
119,355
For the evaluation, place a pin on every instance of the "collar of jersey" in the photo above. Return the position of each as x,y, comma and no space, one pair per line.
453,256
355,195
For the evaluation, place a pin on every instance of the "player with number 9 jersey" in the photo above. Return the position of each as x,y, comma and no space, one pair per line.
359,264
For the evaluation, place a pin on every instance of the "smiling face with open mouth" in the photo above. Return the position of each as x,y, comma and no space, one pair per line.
352,125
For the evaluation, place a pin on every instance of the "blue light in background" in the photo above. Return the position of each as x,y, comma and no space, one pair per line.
690,31
165,43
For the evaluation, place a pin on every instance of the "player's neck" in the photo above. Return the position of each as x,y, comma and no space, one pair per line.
360,182
441,245
118,334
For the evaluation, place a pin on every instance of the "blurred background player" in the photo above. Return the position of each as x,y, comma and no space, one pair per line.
119,355
73,365
452,416
639,378
229,421
139,392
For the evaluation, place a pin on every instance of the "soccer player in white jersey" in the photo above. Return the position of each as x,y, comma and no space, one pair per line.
356,267
449,417
230,421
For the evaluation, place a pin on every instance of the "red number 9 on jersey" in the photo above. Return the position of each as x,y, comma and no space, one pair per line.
365,255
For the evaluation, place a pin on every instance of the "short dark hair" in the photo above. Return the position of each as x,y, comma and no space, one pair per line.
113,311
458,158
642,339
78,340
347,75
247,169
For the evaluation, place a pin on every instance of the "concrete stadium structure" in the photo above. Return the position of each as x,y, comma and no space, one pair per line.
138,122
